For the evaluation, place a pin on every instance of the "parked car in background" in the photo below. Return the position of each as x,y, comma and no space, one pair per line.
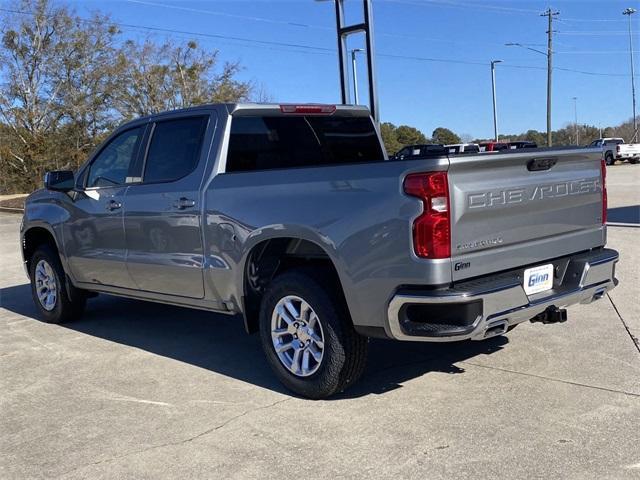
291,219
522,144
463,148
419,151
615,149
493,146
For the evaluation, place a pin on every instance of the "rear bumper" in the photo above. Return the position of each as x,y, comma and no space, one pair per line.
487,306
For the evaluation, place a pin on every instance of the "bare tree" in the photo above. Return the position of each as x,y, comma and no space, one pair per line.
164,77
51,83
65,81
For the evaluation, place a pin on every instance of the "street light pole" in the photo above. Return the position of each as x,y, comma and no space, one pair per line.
354,67
575,114
628,12
493,88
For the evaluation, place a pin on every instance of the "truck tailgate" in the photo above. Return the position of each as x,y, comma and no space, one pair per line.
508,210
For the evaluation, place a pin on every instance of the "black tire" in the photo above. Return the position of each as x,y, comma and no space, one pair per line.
64,308
345,351
633,161
609,160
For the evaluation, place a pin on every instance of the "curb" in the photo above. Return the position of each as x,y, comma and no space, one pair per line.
11,210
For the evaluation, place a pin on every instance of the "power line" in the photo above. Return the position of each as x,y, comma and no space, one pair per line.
186,32
592,52
306,49
595,33
457,4
590,20
297,24
320,27
230,15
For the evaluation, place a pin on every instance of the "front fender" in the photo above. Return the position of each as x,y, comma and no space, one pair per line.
48,211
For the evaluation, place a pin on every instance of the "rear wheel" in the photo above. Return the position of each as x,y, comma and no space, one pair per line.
633,161
609,160
49,289
307,335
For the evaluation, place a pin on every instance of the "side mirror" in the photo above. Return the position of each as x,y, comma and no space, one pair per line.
59,180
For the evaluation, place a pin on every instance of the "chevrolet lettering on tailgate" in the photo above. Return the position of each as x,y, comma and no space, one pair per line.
539,192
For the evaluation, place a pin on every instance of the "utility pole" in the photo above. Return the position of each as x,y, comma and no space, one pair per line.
550,14
493,88
354,68
575,114
628,12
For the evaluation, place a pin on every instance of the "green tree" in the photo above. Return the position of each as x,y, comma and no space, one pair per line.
444,136
410,135
388,132
395,138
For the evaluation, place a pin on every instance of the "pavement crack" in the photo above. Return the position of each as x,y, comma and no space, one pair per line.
224,424
551,379
634,339
179,442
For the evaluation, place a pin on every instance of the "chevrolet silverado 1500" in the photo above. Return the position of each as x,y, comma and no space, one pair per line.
292,218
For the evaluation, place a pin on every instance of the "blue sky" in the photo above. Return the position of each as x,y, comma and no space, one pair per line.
591,36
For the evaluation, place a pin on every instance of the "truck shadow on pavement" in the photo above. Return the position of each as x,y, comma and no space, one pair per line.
630,214
218,342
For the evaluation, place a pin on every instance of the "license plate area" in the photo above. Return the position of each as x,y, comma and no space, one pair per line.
538,279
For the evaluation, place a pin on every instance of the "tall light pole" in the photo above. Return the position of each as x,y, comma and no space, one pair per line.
493,88
575,115
354,68
628,12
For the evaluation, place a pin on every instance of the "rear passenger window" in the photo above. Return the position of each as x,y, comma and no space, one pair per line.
263,143
174,149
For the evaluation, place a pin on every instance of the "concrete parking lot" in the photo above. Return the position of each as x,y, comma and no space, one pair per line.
140,390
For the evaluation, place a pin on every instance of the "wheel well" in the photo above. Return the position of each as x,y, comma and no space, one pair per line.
33,238
272,257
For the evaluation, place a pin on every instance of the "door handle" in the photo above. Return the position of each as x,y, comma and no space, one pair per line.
113,205
183,203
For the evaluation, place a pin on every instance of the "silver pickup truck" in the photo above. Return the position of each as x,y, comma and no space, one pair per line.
293,219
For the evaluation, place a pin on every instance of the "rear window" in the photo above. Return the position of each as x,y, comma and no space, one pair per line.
265,143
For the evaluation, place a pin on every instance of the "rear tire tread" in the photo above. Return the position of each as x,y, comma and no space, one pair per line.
350,353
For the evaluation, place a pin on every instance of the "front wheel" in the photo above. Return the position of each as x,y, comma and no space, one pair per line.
49,289
307,335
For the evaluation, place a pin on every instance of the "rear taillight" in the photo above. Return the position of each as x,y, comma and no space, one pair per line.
603,177
308,109
432,229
